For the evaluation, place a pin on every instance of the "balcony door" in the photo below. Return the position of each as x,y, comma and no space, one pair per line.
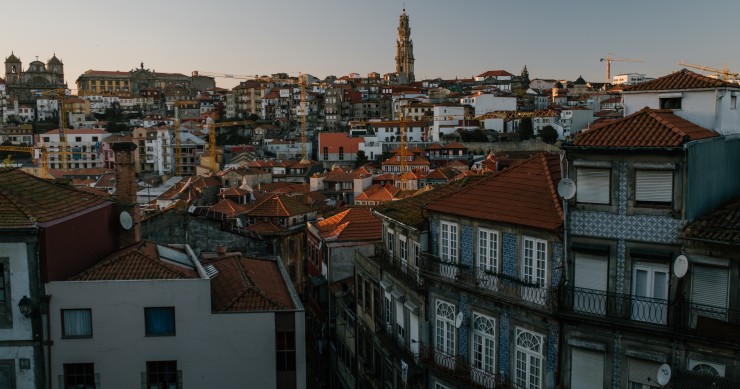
650,293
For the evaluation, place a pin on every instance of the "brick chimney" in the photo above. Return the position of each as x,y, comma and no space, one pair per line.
126,193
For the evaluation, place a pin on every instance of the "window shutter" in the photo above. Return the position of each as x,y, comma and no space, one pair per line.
590,272
709,286
643,372
587,369
654,185
593,185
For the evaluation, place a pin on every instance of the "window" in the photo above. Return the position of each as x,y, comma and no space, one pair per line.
80,376
654,187
650,293
400,322
160,321
360,296
417,254
534,269
488,250
326,153
285,350
163,375
3,283
709,293
444,340
341,153
733,102
404,248
593,185
590,282
670,103
528,359
76,323
391,241
387,308
448,242
483,352
587,369
642,374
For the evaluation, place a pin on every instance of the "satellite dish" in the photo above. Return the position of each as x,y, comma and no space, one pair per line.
126,220
680,266
459,319
567,188
664,374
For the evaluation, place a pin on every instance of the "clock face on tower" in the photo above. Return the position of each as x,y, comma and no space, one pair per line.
126,220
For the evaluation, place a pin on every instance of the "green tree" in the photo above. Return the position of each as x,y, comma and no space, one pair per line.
526,131
361,159
549,135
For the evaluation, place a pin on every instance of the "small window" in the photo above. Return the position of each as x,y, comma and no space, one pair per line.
733,102
80,375
3,278
285,351
160,321
654,187
670,103
76,323
593,185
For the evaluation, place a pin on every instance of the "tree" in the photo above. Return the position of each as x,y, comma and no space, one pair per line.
549,135
526,131
361,158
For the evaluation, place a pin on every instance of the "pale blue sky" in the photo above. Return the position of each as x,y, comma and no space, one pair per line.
554,38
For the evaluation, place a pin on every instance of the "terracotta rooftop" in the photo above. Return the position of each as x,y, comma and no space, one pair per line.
228,208
351,224
26,200
495,73
682,79
140,261
645,128
409,210
245,284
524,194
279,205
721,226
377,192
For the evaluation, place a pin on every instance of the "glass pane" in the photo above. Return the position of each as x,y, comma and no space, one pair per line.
660,285
641,277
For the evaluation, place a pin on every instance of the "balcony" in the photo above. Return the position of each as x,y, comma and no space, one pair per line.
676,315
501,286
384,332
399,269
460,369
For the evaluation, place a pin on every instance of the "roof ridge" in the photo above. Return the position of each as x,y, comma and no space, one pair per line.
251,284
17,204
671,127
550,184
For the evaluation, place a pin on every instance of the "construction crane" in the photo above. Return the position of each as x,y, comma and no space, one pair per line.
402,148
43,171
726,74
613,58
63,149
212,139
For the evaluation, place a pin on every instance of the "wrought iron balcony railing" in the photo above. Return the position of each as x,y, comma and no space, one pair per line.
486,281
677,314
459,368
400,269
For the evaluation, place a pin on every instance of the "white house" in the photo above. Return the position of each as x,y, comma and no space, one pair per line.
446,118
629,79
484,103
83,148
704,101
154,316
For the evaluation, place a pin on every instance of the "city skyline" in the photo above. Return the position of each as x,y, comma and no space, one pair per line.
333,37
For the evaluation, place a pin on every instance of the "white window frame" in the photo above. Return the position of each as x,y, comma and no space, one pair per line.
400,322
483,347
444,339
403,248
529,366
534,269
448,241
653,187
391,238
643,307
594,185
387,308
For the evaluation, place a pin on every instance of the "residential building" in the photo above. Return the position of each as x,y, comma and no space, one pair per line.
491,274
337,148
404,161
625,310
83,148
484,103
629,79
153,315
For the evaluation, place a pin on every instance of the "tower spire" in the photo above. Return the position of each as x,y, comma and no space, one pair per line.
404,51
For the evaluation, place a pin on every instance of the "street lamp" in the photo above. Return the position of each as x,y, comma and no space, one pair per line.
25,306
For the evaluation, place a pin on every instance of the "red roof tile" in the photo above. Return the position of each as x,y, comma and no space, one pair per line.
25,200
645,128
351,224
721,226
683,79
247,284
228,208
335,140
279,205
139,261
524,194
495,73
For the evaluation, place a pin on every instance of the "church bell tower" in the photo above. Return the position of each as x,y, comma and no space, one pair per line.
404,51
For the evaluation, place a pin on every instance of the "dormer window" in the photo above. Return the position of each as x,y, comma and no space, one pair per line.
670,100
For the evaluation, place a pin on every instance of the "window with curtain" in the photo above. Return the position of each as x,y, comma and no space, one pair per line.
160,321
76,323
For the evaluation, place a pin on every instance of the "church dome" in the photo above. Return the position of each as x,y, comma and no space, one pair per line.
12,58
580,81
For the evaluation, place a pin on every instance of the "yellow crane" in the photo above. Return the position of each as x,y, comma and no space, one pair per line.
43,171
726,74
212,139
613,58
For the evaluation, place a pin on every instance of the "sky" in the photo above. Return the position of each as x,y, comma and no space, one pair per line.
559,39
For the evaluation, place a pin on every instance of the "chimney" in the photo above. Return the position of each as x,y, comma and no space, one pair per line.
130,232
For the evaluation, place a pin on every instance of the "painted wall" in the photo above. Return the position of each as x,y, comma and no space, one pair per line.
212,350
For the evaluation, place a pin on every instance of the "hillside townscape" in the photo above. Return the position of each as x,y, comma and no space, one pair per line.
368,230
